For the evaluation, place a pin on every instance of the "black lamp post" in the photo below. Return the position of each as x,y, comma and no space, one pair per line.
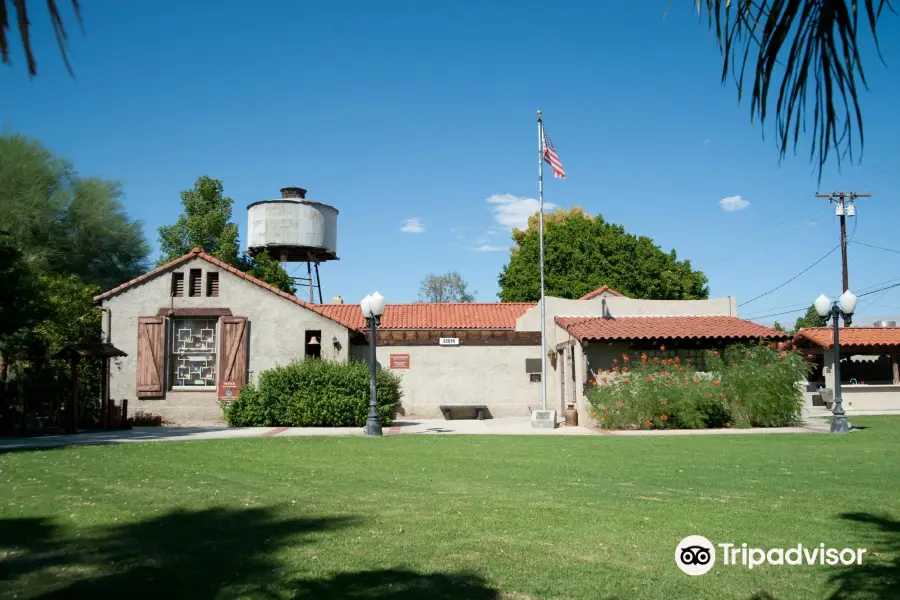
834,310
372,308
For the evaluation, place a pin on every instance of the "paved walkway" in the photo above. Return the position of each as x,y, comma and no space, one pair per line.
504,426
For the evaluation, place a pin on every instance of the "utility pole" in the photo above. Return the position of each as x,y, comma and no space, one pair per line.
845,206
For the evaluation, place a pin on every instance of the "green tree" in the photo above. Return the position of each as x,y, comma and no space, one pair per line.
807,50
778,326
582,253
206,224
449,287
63,223
810,319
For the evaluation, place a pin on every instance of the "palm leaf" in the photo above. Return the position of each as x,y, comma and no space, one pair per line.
813,46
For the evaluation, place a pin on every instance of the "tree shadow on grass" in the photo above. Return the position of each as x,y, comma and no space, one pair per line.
201,555
183,554
393,584
879,574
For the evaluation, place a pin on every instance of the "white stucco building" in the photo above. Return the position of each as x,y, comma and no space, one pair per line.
195,330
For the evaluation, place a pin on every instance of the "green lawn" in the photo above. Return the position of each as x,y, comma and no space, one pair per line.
437,517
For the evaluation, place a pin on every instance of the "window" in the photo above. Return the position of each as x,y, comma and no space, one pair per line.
193,353
178,284
195,289
313,344
212,283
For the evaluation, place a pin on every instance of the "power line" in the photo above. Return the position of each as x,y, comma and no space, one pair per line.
765,310
827,254
876,247
787,312
879,290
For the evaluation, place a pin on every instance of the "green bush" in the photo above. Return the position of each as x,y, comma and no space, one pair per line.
751,385
314,393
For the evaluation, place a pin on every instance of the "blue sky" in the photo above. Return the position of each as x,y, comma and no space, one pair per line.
426,111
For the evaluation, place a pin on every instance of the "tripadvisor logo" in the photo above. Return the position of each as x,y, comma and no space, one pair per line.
696,555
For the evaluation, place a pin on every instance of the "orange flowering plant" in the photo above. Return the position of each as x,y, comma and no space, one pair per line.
753,384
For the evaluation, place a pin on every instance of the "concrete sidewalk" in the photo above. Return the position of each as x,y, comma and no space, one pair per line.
504,426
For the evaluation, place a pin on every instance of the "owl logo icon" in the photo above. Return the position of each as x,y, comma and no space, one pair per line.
695,555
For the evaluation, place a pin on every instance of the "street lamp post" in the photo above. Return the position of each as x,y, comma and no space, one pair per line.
834,310
372,308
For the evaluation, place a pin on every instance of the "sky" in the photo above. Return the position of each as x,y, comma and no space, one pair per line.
417,121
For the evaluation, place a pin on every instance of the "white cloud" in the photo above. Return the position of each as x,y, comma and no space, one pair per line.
513,211
706,142
812,223
413,225
489,248
733,204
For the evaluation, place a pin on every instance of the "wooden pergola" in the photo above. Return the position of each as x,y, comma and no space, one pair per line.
74,353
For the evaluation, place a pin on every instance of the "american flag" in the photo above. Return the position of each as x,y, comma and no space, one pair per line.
552,158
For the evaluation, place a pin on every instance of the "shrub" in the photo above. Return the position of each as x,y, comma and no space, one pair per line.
314,393
656,393
760,383
751,385
146,419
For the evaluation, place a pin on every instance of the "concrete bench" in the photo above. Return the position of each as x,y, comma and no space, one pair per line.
479,410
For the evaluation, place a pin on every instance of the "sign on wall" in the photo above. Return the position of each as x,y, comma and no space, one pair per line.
449,342
399,361
228,391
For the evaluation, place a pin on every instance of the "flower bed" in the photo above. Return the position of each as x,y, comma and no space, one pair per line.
751,385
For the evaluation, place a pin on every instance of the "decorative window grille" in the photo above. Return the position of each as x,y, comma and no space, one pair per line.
193,353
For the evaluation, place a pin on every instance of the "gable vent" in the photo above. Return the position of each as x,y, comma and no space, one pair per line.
178,284
196,285
212,283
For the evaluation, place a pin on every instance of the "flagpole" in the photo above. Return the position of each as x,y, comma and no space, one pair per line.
541,235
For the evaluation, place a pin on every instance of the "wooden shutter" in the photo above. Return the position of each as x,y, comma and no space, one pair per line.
151,357
212,283
233,337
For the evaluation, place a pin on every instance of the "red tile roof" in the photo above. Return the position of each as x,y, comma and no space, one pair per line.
645,328
600,290
496,315
850,336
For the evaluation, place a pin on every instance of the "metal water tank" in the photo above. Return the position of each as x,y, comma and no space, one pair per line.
885,324
292,228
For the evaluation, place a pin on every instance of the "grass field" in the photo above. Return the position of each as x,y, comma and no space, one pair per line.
434,517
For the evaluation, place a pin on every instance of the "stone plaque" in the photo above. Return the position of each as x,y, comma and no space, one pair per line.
543,419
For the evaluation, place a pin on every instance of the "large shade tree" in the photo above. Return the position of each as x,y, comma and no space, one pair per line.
800,55
583,253
64,223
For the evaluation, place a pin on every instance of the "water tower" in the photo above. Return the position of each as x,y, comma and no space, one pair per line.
293,229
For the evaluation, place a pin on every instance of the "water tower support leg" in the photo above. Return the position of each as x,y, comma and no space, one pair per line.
318,283
312,299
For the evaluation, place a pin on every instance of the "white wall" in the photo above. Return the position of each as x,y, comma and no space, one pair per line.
491,375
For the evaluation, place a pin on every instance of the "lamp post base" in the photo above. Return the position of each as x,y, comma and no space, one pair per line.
839,424
373,426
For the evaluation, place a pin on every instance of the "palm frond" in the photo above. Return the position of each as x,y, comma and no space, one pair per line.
21,9
813,46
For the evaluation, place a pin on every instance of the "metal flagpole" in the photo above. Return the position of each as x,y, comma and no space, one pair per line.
541,234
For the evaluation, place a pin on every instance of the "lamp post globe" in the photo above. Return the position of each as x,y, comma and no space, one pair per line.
847,302
823,306
376,304
365,306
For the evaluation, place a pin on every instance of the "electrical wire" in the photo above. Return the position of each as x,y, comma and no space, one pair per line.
826,255
876,247
878,290
787,312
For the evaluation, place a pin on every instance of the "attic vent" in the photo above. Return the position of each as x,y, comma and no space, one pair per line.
178,284
196,285
212,283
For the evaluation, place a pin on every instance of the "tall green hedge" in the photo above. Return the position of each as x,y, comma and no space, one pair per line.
314,393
